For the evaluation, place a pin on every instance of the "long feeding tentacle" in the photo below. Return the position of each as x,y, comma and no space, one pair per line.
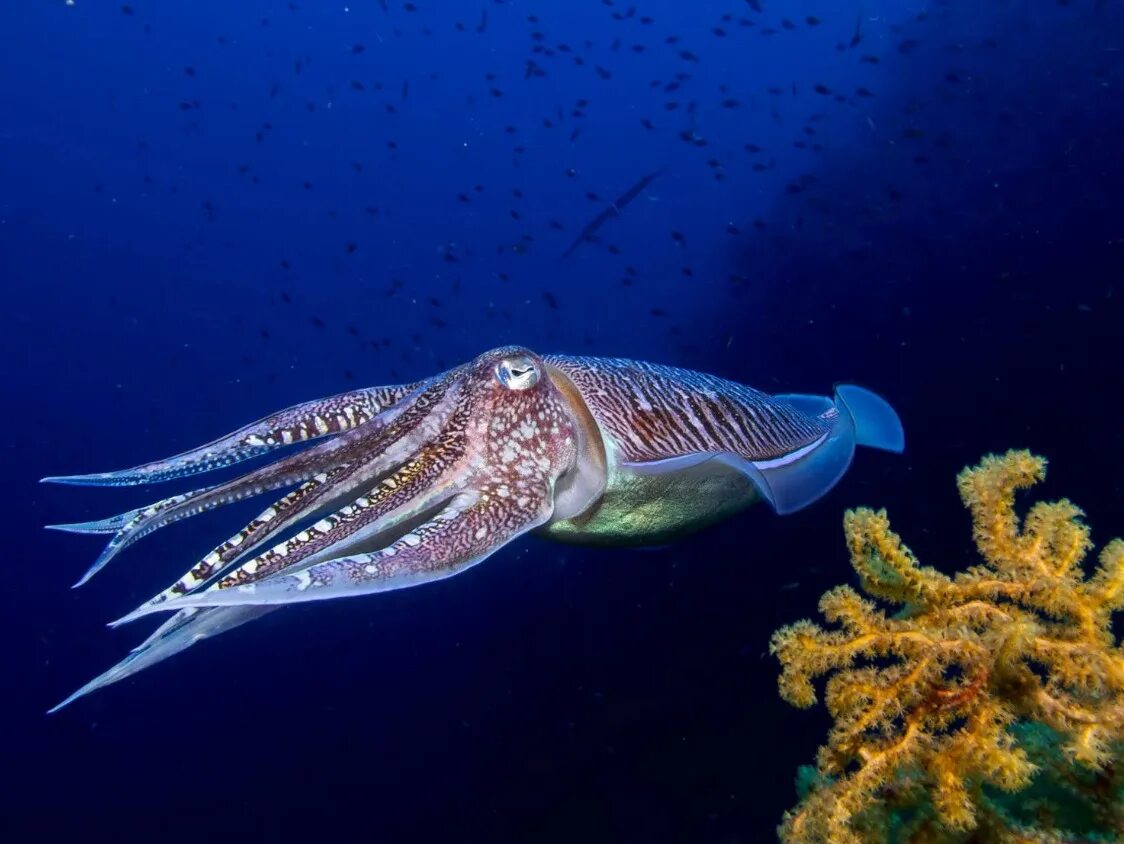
417,486
178,633
359,457
306,421
275,518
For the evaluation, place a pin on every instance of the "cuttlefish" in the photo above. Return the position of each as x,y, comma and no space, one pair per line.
419,482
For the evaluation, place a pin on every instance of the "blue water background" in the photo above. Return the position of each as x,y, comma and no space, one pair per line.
211,210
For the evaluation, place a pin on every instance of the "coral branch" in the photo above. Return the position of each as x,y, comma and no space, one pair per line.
929,704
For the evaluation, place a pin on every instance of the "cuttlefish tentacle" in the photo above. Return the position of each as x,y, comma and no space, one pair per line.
307,421
440,475
465,531
469,528
372,437
355,524
178,633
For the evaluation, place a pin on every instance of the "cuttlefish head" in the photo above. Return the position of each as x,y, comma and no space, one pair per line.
526,417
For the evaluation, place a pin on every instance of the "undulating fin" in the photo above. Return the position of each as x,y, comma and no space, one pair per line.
877,424
856,417
181,631
820,406
306,421
466,531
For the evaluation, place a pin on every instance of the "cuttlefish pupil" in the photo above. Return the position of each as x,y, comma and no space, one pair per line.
418,482
517,373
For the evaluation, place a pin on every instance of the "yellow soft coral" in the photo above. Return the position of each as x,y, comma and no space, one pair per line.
923,702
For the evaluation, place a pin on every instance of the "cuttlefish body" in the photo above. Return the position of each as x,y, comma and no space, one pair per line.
419,482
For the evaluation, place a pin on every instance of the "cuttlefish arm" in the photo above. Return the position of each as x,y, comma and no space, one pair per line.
307,421
456,470
178,633
499,450
421,484
320,469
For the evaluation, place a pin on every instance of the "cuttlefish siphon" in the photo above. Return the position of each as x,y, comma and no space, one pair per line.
418,482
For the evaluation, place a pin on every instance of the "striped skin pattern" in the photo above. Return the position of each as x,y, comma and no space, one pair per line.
655,412
418,482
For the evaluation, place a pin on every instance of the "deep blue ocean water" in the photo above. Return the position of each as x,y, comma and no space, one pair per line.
209,211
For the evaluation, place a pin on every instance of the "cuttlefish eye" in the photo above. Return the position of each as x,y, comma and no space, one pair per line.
517,373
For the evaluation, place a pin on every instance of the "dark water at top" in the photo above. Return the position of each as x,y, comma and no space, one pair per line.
210,210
